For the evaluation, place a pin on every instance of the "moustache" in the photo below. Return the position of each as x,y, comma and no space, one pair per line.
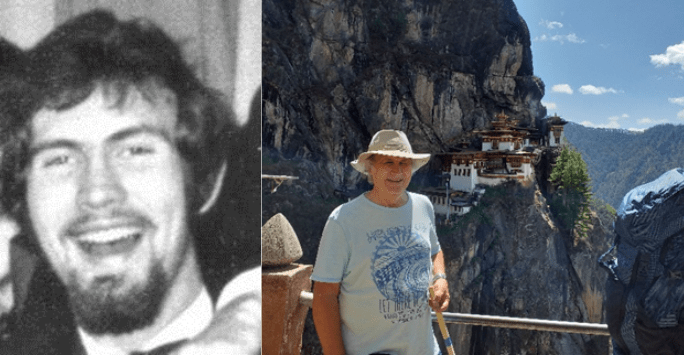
89,222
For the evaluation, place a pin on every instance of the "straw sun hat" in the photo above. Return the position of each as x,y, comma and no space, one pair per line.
391,143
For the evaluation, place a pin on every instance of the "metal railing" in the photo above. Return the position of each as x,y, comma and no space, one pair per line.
524,323
306,298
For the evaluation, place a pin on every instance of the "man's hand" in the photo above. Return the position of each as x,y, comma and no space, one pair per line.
440,302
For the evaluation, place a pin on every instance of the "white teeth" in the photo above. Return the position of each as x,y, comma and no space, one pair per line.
108,236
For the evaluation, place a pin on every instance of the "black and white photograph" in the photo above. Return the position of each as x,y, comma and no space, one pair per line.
130,160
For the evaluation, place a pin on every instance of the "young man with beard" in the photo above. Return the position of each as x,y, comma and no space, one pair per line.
112,151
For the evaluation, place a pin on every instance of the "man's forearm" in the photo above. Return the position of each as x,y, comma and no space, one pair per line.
438,263
326,315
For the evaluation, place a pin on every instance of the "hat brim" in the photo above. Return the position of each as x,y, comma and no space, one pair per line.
419,160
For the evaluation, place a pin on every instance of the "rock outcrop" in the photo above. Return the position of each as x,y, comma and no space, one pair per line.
336,72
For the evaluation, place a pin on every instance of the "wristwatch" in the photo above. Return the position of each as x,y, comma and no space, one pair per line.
438,276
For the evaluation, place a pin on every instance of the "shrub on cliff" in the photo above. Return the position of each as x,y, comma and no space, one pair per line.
570,202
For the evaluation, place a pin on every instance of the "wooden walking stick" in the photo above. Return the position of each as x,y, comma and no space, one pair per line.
442,327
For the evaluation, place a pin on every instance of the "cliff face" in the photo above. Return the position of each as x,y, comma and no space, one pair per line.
336,72
507,257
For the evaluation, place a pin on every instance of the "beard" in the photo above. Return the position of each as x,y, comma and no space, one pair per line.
102,308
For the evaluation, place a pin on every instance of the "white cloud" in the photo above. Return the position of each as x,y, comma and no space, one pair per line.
562,88
674,55
650,121
640,130
677,100
573,38
550,105
616,118
612,122
680,115
551,24
593,90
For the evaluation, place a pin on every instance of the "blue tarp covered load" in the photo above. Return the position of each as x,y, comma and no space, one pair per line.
645,293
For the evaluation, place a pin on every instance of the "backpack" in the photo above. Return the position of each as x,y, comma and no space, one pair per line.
644,298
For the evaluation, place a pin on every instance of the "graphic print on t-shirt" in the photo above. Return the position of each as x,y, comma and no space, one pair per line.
400,268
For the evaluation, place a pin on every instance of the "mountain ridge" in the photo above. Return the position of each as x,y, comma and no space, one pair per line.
619,160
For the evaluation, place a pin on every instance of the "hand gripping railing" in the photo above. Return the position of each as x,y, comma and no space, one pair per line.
524,323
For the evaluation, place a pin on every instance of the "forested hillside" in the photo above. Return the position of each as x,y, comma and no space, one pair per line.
620,160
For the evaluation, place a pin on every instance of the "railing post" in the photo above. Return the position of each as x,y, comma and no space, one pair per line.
283,284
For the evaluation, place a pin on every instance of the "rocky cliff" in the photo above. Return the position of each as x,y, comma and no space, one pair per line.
508,257
335,72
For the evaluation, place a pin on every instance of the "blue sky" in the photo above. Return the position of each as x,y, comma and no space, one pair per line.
609,63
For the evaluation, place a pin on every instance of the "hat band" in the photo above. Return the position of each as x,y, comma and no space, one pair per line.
396,146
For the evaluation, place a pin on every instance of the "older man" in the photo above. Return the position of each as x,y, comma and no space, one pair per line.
376,260
112,151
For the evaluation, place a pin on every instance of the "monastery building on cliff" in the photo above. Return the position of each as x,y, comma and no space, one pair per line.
508,153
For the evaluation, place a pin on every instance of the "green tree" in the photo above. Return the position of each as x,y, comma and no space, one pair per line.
570,203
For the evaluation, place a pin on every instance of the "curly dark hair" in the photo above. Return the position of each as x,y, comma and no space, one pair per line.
96,50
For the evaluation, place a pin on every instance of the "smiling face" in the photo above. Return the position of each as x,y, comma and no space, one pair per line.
106,199
391,175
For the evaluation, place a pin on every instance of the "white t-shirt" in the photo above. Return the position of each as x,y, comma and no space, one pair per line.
382,258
